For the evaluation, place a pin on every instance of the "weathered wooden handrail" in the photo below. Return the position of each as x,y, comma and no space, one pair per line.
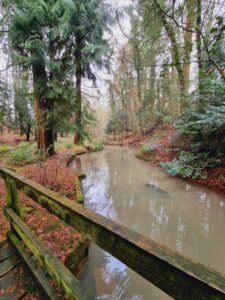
56,269
175,274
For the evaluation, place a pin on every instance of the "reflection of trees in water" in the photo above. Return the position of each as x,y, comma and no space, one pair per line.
118,276
187,218
96,186
139,207
112,268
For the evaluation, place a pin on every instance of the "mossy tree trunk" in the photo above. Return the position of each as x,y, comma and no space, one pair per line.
176,55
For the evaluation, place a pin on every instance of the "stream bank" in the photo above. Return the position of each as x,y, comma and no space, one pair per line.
162,144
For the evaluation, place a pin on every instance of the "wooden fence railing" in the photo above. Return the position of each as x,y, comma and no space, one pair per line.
175,274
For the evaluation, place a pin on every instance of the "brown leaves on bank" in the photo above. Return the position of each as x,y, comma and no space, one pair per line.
53,174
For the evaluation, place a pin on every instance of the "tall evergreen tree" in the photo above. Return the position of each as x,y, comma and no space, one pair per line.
85,24
27,23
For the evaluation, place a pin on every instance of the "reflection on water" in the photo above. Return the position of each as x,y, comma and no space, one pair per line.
186,218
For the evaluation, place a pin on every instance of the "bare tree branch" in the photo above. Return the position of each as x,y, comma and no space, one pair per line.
195,32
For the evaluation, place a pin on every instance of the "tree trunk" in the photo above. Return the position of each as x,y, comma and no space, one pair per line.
188,42
152,81
138,70
38,120
21,130
175,55
140,100
175,52
45,136
78,113
28,131
198,42
35,134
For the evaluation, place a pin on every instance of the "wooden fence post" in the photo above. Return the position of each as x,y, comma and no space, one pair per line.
12,199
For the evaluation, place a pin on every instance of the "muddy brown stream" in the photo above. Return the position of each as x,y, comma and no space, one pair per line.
184,217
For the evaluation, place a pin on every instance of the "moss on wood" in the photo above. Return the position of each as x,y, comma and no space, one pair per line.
76,259
175,274
12,198
38,273
69,284
78,188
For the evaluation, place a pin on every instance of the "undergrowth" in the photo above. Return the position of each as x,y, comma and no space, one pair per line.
145,151
4,148
190,165
25,154
98,144
95,145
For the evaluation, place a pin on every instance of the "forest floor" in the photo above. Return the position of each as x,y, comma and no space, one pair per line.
54,174
166,143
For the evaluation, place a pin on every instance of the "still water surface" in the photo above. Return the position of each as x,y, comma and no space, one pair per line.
187,218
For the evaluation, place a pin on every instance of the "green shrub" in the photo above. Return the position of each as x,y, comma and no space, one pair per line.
69,145
203,124
99,145
190,165
26,154
144,149
141,150
95,145
204,121
4,148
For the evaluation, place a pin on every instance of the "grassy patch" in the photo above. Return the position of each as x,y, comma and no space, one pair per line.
24,154
66,143
99,144
146,151
4,148
95,145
